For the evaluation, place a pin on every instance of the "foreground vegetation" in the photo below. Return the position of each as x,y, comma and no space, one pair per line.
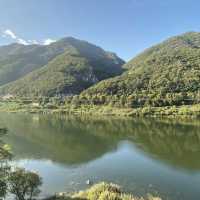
22,184
102,191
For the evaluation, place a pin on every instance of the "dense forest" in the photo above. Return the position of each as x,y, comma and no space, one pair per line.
164,75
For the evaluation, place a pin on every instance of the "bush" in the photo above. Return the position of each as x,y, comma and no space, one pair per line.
105,191
24,184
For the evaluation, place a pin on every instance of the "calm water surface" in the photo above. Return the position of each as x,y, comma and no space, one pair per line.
143,156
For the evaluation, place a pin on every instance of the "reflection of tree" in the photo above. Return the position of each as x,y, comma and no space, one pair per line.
175,143
76,140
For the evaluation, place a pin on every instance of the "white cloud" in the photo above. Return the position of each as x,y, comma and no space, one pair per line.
48,41
22,41
10,34
33,42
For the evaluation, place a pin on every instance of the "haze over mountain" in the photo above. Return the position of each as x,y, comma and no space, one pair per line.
165,74
67,66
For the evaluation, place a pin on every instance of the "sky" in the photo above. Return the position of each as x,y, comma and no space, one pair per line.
125,27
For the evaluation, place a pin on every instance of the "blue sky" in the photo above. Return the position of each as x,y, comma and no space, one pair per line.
123,26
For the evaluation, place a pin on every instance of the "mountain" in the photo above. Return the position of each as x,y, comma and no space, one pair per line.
67,66
17,60
165,74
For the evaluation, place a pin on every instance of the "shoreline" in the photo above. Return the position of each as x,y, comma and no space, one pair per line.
185,111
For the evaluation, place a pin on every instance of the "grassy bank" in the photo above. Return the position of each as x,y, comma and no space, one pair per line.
191,111
102,191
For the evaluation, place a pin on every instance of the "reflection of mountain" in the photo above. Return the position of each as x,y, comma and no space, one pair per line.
170,141
48,137
175,144
78,140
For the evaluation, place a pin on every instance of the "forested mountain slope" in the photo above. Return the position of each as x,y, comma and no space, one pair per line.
166,74
67,66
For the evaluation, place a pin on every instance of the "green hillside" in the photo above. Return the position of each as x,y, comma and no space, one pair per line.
73,66
17,60
166,74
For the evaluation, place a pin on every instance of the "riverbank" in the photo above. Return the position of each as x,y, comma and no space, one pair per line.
101,191
190,111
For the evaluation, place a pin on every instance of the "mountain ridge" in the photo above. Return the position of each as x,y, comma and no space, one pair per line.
25,63
165,74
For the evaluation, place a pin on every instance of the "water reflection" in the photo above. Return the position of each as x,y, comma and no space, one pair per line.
74,140
140,154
